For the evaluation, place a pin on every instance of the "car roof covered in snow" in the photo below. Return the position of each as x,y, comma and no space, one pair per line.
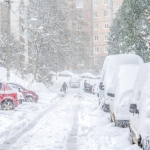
112,62
88,75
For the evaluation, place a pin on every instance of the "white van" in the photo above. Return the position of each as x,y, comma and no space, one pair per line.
120,93
109,67
140,108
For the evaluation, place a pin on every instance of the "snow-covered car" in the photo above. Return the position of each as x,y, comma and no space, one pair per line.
66,74
109,67
29,96
96,89
88,76
140,108
88,88
120,93
74,83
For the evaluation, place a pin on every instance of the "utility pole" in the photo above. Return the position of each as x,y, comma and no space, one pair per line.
112,10
33,70
8,40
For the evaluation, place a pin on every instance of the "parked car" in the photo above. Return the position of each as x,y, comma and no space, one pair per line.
8,97
29,96
88,76
120,93
109,67
140,108
74,83
88,88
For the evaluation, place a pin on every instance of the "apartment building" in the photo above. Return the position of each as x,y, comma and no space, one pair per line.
103,14
18,25
100,16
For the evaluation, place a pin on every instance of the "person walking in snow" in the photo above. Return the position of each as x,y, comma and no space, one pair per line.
64,87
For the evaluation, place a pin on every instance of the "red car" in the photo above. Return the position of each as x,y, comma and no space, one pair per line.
29,95
8,97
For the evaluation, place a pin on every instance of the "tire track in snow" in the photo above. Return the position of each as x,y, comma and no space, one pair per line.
72,139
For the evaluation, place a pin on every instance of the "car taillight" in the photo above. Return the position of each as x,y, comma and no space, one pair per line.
93,89
15,95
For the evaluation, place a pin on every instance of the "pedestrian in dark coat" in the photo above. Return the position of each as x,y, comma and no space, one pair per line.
64,87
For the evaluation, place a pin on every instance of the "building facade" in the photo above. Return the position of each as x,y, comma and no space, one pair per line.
100,16
18,25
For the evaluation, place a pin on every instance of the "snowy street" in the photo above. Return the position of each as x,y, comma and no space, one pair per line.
70,122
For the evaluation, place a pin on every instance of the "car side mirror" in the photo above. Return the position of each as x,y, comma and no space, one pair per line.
133,109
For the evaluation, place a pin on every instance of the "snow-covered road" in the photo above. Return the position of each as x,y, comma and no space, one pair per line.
71,122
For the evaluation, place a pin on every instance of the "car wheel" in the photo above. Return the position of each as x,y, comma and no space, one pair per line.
7,105
98,95
29,99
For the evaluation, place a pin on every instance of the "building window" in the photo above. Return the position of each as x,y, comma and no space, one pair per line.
96,61
106,26
80,27
96,49
95,2
106,37
95,14
105,49
118,6
80,15
95,26
105,2
96,38
79,4
105,13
